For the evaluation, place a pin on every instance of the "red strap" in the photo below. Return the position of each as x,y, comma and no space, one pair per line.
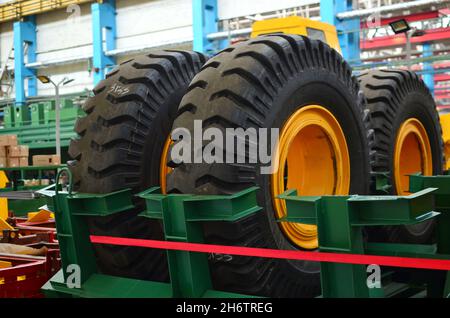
408,262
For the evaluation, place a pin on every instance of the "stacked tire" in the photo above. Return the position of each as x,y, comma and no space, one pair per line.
395,99
120,144
260,83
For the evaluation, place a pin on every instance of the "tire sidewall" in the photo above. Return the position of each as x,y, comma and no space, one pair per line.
418,105
326,89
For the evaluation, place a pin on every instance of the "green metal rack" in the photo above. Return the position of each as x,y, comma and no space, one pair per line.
35,125
16,174
16,116
21,207
43,136
187,270
341,221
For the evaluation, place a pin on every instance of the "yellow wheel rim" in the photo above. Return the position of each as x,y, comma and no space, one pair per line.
314,160
164,170
412,154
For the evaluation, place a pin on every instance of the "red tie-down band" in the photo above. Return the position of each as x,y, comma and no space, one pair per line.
393,261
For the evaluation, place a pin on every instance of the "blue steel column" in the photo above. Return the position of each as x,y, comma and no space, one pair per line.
104,36
24,33
205,21
349,40
428,76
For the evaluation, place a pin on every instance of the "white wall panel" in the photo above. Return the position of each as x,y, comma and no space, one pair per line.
237,8
6,41
141,22
62,34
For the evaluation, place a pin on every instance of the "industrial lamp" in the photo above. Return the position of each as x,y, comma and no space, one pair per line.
400,26
44,79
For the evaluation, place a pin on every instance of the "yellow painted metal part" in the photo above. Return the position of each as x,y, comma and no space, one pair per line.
4,213
4,264
164,170
3,179
412,154
21,278
300,26
445,123
313,159
4,208
16,10
4,226
41,216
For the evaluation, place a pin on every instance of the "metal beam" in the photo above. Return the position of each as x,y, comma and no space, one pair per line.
443,95
205,21
351,14
437,67
329,9
16,10
414,17
433,35
24,40
231,33
442,78
58,62
104,37
428,77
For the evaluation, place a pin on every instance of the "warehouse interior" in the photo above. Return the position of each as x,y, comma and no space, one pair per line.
91,93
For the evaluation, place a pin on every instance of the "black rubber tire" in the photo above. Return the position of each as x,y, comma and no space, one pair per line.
120,144
394,96
260,83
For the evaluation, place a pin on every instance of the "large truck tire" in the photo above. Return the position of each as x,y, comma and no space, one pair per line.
120,143
407,139
306,89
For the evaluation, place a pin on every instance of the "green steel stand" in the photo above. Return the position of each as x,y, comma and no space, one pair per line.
442,201
341,221
181,216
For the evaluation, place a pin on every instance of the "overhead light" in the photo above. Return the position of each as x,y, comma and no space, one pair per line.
400,26
44,79
68,81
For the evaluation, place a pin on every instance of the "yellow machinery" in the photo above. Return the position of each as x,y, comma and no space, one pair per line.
445,123
296,25
3,205
412,150
328,34
297,136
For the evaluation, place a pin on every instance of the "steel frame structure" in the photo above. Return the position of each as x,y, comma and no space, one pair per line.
329,10
104,33
104,36
22,8
340,14
24,51
205,23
